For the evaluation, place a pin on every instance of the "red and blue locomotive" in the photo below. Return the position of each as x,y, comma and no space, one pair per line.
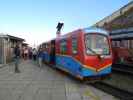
84,53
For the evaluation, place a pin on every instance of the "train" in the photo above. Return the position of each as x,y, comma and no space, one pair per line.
122,46
122,55
84,53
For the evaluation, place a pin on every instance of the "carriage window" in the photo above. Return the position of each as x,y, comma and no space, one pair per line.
63,46
74,46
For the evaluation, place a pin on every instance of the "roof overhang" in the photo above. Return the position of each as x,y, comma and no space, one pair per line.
114,15
15,38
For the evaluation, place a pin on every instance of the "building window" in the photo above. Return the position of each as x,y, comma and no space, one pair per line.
63,47
74,46
113,43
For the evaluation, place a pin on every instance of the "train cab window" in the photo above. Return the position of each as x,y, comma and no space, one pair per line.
74,46
96,44
63,47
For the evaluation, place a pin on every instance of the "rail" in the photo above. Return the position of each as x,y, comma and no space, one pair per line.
123,68
117,92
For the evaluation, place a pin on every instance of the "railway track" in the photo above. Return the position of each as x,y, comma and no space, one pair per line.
117,92
123,68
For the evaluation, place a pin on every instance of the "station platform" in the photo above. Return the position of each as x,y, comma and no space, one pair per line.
34,83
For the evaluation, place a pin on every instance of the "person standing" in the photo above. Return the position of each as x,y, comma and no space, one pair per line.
23,52
26,53
40,55
34,54
30,53
16,58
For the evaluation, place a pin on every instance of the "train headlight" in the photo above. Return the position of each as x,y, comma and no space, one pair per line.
102,56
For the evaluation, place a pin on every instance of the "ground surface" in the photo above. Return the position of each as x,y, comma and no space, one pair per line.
34,83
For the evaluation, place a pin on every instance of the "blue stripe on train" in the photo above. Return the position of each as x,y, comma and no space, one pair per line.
68,63
88,72
46,57
75,68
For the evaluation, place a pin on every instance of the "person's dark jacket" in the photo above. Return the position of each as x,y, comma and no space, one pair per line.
40,54
17,52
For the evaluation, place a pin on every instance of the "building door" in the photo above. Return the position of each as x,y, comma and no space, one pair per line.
1,50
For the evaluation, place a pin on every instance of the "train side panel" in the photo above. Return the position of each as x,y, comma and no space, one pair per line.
71,60
46,52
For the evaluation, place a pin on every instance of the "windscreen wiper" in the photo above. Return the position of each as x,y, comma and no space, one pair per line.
92,51
98,55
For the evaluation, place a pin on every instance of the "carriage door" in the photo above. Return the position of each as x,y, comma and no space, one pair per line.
52,52
75,54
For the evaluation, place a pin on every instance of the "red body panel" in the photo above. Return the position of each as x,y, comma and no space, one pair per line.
87,60
79,35
97,63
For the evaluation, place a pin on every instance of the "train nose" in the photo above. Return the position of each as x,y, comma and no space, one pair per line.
99,62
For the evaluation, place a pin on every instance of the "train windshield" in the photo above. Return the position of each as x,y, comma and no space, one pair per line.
96,44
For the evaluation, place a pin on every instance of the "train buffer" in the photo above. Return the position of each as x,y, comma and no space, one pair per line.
34,83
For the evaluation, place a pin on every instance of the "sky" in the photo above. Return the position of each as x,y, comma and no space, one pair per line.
36,20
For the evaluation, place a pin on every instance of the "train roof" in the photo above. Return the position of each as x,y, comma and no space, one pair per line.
86,30
96,30
68,34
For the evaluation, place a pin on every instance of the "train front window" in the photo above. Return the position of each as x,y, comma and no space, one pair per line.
96,44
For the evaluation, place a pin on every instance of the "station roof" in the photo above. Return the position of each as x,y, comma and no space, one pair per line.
121,18
15,38
25,44
122,34
11,37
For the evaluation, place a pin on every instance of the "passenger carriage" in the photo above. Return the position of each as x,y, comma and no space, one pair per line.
84,53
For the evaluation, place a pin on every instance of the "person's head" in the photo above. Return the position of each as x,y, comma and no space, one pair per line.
40,49
17,45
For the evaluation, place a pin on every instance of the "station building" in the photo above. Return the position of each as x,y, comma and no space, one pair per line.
7,43
120,26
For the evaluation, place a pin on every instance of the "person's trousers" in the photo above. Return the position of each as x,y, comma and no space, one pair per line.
40,61
34,57
16,64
